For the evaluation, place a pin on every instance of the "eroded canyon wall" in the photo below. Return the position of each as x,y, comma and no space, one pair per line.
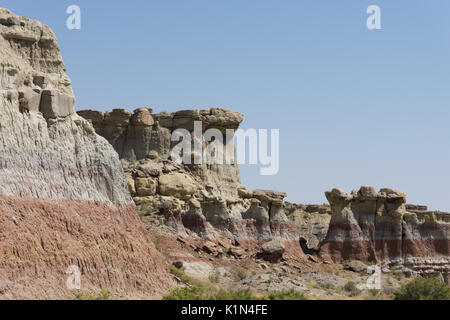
204,198
377,227
63,196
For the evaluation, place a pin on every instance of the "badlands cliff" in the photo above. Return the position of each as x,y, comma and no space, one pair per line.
210,200
377,227
63,196
70,183
205,198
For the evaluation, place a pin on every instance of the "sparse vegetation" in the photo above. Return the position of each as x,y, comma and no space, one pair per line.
374,292
240,294
103,295
327,286
351,288
286,295
179,273
199,290
423,289
186,293
199,293
145,207
214,277
205,293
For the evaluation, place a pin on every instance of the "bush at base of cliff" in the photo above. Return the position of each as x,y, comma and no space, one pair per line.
286,295
199,293
351,288
423,289
186,293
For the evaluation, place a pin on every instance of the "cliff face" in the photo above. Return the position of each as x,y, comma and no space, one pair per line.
376,226
47,150
63,197
203,198
311,221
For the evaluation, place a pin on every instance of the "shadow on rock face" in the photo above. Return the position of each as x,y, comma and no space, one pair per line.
304,245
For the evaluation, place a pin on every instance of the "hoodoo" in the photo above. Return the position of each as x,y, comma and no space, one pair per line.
377,227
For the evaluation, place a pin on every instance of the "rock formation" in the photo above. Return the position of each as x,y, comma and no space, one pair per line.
205,198
63,196
311,222
69,183
376,226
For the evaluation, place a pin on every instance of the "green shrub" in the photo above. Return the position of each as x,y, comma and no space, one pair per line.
374,292
286,295
239,294
177,272
423,289
327,286
200,293
145,207
184,277
186,293
351,288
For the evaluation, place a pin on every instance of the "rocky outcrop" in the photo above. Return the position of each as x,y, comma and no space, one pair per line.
375,226
311,222
273,250
47,150
63,197
220,203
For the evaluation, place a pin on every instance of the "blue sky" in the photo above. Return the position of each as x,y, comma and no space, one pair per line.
354,107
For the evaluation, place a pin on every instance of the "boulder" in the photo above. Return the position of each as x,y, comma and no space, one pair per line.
152,155
178,264
356,266
142,117
29,99
210,248
146,187
150,168
178,185
236,252
273,250
131,183
56,104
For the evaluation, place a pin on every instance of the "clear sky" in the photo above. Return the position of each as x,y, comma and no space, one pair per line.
354,107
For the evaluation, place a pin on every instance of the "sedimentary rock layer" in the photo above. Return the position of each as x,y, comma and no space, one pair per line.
375,226
46,150
41,239
203,197
63,196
